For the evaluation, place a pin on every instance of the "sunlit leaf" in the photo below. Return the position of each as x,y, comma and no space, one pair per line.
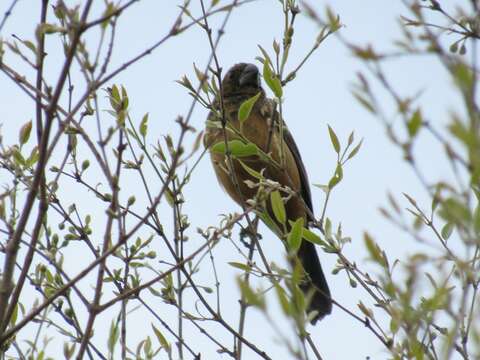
237,148
251,171
25,132
240,266
447,230
336,178
373,249
113,336
278,207
161,338
271,80
294,238
312,237
364,102
246,107
283,299
144,125
355,150
334,139
251,297
414,123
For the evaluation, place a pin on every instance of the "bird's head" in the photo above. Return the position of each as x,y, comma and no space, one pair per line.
242,80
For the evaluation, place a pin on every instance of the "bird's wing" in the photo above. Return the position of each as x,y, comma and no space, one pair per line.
305,187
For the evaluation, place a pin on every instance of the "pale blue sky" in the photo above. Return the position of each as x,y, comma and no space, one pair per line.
320,95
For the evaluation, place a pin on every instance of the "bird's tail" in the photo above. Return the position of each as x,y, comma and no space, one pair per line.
321,300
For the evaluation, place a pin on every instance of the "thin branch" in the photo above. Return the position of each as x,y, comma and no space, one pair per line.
8,13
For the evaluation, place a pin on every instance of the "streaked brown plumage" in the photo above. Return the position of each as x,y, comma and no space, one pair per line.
240,83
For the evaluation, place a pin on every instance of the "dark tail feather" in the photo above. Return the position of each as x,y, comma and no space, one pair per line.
321,300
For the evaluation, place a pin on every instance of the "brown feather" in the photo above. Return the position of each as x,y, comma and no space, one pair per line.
287,168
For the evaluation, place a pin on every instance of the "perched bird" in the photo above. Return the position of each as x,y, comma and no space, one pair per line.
262,128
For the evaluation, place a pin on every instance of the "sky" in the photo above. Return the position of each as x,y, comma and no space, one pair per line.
320,95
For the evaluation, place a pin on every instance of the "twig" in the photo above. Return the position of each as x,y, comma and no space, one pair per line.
8,13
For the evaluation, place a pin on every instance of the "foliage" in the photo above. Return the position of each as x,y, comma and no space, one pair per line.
128,253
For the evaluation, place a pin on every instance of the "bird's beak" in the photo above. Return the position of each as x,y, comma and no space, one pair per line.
250,76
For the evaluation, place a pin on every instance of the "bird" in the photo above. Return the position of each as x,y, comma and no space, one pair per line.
285,168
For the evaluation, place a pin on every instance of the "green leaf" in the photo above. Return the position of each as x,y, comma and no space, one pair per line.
240,149
113,336
414,123
336,178
25,132
14,317
447,230
277,87
107,14
436,199
333,20
463,76
355,150
324,188
365,310
268,221
283,299
351,138
68,350
250,171
417,350
394,326
271,80
30,45
298,296
267,71
328,228
411,200
33,158
114,98
476,220
161,339
46,28
240,266
147,345
265,55
218,147
454,47
312,237
373,249
437,301
144,126
278,206
454,211
276,47
364,102
334,139
200,75
237,148
459,130
294,238
251,297
185,82
246,107
124,98
367,53
170,197
18,157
